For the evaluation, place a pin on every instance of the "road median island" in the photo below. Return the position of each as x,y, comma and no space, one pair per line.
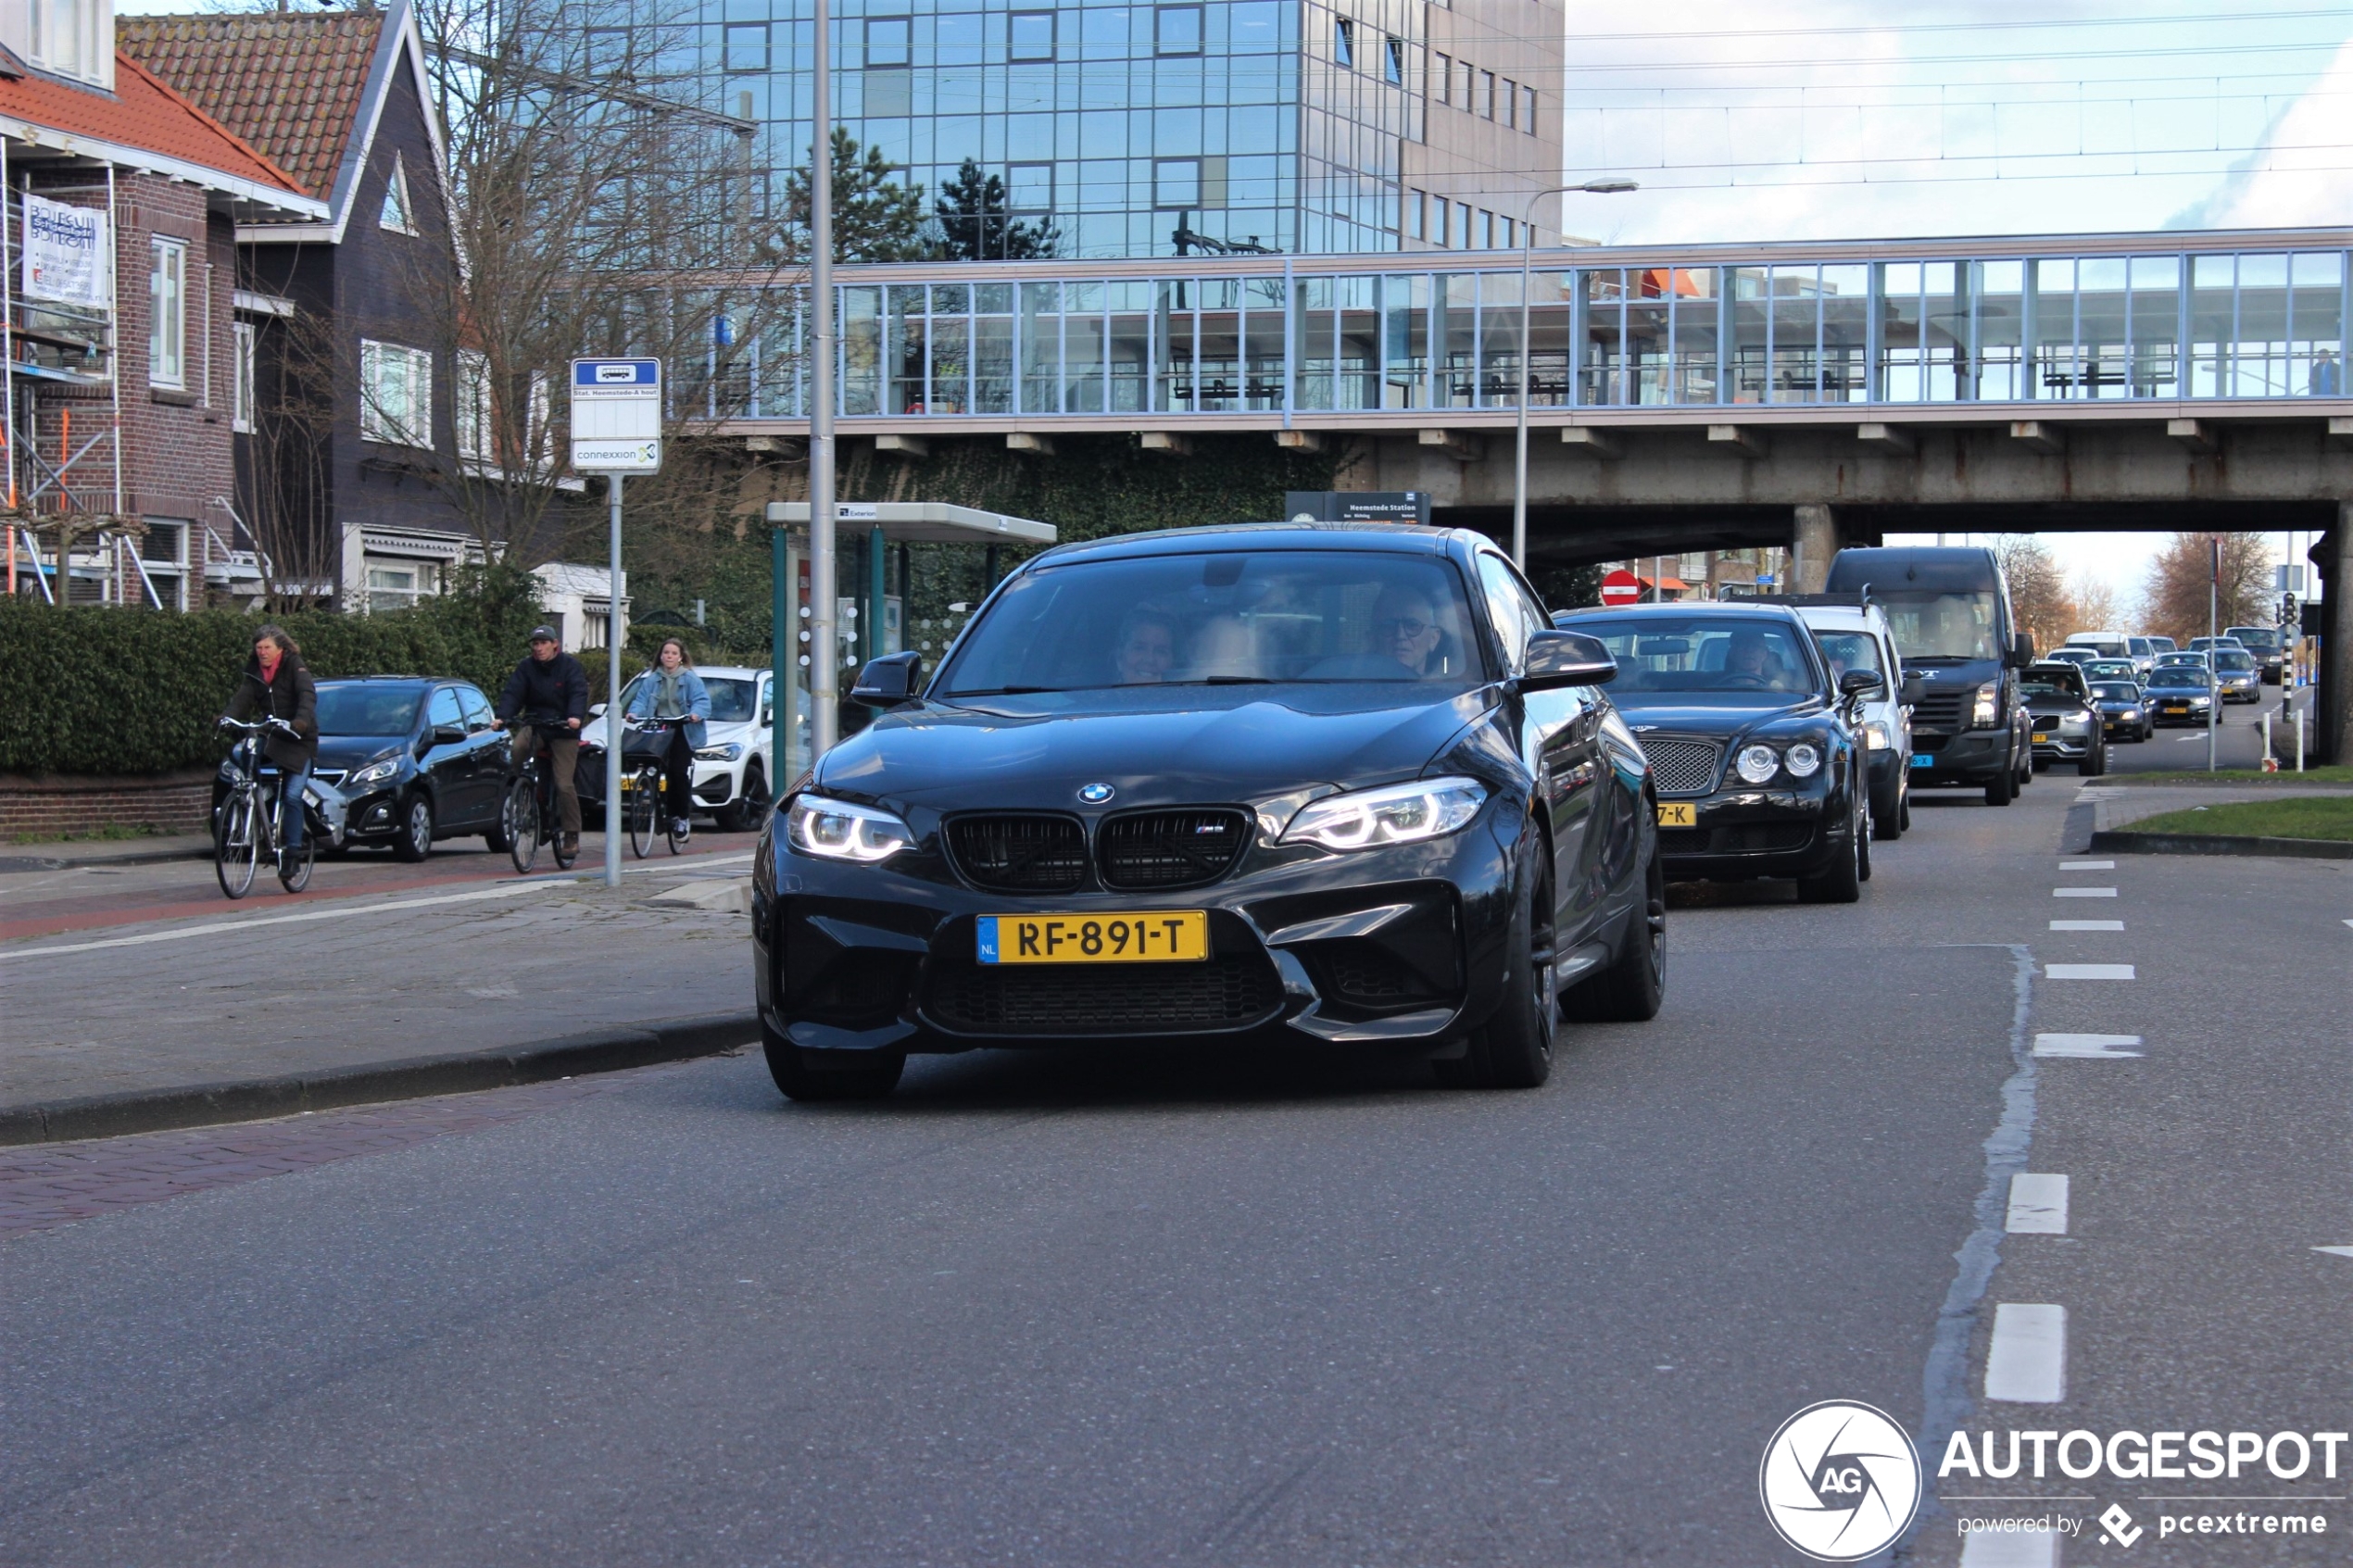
197,1105
2314,827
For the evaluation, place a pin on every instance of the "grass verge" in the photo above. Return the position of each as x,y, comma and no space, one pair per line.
2339,774
2300,816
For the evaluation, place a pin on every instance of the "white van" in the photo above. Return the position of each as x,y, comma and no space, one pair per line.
2110,645
1854,635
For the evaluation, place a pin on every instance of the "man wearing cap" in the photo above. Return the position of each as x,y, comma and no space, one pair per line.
550,688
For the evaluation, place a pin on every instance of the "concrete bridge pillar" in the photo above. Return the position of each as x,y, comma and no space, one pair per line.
2333,705
1814,544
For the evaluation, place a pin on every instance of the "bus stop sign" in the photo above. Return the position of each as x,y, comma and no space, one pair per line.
616,416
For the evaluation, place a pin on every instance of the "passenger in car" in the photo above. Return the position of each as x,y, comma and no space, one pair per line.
1147,648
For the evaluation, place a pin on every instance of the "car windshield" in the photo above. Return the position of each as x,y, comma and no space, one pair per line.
2188,676
1949,626
1271,616
2045,685
2108,669
2117,691
1849,651
1660,657
368,711
2231,658
731,699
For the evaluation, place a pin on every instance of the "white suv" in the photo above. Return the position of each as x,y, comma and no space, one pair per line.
1854,635
732,767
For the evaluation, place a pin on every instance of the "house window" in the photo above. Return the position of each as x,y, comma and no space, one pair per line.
1032,36
1345,41
1527,110
65,38
1176,183
240,395
395,394
743,47
1507,109
1487,94
398,214
1177,29
470,403
398,585
1393,61
167,313
887,41
1417,214
1443,77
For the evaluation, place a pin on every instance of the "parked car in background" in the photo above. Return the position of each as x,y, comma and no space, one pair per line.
732,767
2239,673
2268,644
2066,727
2181,692
1854,635
2123,709
405,762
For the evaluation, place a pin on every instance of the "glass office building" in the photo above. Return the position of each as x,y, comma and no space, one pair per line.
1378,125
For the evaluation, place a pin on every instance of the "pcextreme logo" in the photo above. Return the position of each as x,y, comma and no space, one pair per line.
1840,1481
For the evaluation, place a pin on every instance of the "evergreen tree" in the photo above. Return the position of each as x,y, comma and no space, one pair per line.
876,217
971,210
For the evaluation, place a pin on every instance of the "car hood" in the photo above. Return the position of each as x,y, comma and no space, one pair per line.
1171,745
357,751
2056,705
1718,719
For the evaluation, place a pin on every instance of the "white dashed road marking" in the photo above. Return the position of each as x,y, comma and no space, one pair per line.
2102,1045
2082,892
2087,865
2087,971
2338,1251
2087,925
2038,1205
2026,1364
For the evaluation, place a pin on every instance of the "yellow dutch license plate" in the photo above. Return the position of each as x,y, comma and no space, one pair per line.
1159,936
2042,740
1678,816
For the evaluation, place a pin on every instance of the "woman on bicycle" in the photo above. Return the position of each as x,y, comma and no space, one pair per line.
278,686
672,691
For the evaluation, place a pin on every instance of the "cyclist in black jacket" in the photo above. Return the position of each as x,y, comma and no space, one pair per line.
551,689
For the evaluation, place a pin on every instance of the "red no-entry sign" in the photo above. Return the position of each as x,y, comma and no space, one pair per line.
1621,588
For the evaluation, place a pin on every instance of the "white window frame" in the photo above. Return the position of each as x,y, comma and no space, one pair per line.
167,313
399,210
395,394
242,343
470,405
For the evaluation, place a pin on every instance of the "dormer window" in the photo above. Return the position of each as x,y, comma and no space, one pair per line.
70,37
398,214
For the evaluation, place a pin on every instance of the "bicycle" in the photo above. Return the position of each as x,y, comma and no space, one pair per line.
642,783
530,811
246,823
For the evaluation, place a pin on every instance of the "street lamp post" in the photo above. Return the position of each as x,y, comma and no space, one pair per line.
1526,259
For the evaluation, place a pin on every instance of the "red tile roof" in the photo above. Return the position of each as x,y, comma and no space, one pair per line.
142,114
291,85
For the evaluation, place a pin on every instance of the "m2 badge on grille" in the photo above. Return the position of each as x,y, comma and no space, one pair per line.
1163,937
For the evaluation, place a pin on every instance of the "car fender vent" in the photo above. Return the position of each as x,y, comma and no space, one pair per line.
1170,848
1019,854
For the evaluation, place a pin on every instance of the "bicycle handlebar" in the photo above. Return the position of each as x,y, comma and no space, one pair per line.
254,727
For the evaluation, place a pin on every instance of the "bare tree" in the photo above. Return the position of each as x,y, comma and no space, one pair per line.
2183,576
284,488
2038,589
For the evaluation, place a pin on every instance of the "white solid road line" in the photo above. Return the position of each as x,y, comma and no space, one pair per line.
2082,892
2026,1364
2338,1251
2087,865
2087,925
2087,971
2091,1046
343,911
2038,1205
1989,1550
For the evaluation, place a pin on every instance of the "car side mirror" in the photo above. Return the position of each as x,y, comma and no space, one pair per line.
448,735
1566,658
597,711
1861,683
2022,650
889,681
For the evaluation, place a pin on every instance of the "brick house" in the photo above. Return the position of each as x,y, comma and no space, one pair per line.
354,404
118,272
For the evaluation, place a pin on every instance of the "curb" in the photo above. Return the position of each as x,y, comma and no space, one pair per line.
78,863
202,1105
2220,844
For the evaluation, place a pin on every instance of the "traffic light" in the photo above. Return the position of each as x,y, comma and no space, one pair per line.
2287,610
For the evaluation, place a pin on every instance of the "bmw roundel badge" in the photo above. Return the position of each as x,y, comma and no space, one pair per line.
1095,794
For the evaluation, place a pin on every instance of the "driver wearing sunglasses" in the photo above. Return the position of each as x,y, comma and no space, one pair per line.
1405,628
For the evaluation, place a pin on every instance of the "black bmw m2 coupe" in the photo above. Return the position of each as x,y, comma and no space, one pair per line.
1323,782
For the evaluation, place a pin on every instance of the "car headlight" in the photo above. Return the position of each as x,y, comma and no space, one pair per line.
1875,736
834,830
2072,722
1803,761
1757,763
1405,813
726,753
374,772
1984,713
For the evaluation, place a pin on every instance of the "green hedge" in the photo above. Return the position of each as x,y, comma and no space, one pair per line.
127,691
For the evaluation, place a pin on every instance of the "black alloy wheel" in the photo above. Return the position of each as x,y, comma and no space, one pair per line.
811,1076
744,815
519,820
1514,1048
1887,815
1634,985
1842,881
416,830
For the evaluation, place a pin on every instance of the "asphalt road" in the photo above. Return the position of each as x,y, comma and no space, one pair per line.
1064,1308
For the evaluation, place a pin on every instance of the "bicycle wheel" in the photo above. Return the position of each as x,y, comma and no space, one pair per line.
645,788
520,816
237,847
293,867
676,828
549,826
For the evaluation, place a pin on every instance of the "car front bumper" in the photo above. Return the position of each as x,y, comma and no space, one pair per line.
1402,945
1972,757
2054,745
1742,833
2194,712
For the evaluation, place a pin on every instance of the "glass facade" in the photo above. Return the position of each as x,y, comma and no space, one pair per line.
1290,337
1272,121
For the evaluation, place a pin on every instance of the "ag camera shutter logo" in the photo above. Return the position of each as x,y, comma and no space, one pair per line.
1840,1481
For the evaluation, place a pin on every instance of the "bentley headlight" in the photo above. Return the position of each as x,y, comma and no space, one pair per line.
1803,761
834,830
1757,764
374,772
1404,813
726,753
1984,713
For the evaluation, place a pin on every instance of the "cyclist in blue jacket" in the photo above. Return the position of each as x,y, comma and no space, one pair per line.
672,690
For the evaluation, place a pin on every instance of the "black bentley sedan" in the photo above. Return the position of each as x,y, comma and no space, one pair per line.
1751,746
1323,782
